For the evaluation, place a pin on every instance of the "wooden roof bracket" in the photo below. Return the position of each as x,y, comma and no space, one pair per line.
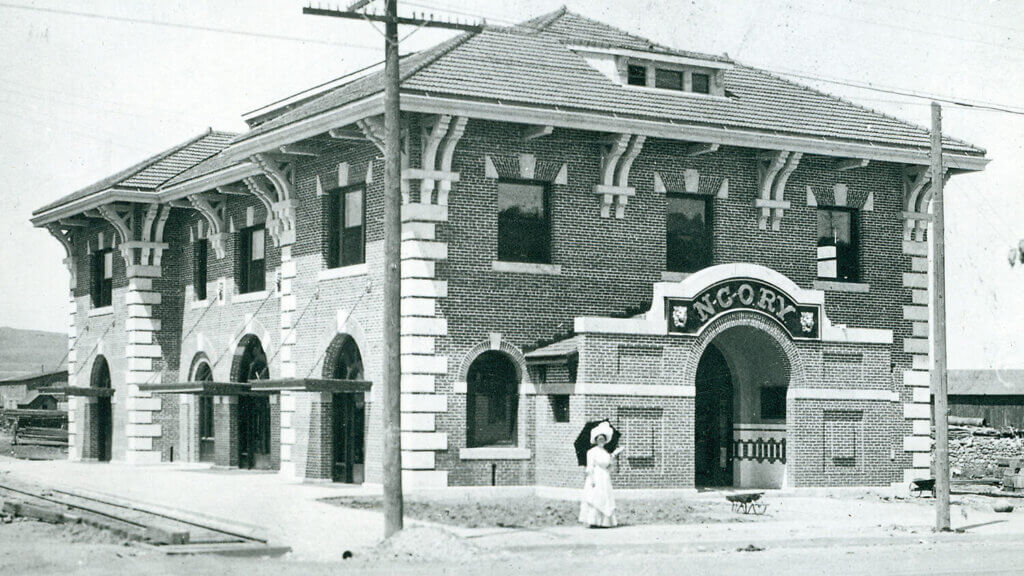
212,208
65,237
616,162
774,170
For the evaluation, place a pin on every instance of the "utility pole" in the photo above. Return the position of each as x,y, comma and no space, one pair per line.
392,351
938,376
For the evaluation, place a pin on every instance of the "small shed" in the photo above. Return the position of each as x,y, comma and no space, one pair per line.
995,395
23,392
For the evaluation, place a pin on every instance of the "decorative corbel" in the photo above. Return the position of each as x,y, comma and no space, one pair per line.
616,162
212,208
851,164
701,149
373,129
534,132
455,132
432,131
64,236
918,215
916,179
769,165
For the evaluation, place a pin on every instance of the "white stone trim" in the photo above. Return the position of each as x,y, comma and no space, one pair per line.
342,272
842,394
104,311
495,453
756,426
834,286
602,325
667,276
526,267
250,296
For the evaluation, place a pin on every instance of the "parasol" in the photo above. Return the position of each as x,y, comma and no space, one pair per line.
582,443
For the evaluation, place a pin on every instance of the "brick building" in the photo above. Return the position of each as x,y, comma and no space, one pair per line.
730,266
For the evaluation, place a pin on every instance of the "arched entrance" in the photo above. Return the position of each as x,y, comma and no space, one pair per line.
103,424
348,412
253,411
492,400
741,384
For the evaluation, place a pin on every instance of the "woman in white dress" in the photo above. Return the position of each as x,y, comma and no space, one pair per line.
597,508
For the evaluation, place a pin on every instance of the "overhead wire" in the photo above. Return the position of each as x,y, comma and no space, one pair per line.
181,25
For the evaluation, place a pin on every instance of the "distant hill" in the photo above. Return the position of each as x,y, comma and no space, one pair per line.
30,351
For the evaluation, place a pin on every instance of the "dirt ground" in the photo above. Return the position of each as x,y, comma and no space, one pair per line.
30,451
535,512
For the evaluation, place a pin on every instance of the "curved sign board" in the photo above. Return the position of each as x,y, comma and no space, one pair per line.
691,315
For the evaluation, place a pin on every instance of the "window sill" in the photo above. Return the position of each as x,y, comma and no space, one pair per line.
495,453
526,268
667,276
840,286
250,296
342,272
201,303
104,311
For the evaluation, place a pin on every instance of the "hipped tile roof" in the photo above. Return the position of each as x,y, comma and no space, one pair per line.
151,173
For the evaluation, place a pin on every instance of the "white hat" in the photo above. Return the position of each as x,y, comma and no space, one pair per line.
602,429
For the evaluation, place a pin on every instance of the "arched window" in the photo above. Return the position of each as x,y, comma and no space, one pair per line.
252,363
348,363
100,373
492,399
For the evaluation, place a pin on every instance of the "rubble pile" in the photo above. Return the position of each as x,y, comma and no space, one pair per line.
976,451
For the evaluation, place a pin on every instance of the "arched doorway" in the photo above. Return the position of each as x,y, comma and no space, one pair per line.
740,410
492,400
348,412
253,411
103,425
205,429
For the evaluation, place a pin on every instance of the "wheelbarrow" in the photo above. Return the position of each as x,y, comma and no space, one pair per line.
924,485
747,503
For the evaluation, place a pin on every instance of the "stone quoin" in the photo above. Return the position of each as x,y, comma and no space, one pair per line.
729,266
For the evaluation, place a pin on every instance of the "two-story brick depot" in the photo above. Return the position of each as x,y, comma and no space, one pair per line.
731,267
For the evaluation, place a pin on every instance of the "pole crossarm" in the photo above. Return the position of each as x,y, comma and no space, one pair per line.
374,17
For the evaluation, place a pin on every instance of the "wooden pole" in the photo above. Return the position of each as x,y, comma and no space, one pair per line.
938,375
392,278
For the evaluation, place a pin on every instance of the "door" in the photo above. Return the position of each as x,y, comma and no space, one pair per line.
348,417
206,432
104,428
713,421
254,432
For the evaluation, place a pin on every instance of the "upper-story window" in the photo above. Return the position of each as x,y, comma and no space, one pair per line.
636,75
199,248
346,243
102,278
837,244
524,223
701,83
677,77
668,79
251,260
688,233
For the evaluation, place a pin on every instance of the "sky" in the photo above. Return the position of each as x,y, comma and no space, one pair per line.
89,87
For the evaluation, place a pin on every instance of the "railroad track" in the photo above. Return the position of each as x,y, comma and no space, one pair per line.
166,532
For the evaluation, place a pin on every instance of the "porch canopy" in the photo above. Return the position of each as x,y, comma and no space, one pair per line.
258,387
78,391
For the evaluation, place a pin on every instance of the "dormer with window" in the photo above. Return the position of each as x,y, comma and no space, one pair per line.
690,74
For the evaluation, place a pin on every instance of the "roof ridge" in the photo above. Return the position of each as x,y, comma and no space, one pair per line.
861,107
443,49
544,20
